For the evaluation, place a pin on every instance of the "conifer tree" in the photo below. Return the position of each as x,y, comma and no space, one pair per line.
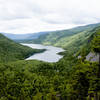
96,46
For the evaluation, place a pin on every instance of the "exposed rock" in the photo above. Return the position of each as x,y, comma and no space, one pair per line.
92,57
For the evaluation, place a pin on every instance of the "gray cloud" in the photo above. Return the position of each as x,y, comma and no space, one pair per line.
26,16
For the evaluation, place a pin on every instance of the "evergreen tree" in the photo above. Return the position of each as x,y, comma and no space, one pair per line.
96,47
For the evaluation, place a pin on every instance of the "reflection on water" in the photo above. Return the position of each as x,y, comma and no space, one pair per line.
50,55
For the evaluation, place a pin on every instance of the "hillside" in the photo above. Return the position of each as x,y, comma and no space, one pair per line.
68,79
11,51
70,38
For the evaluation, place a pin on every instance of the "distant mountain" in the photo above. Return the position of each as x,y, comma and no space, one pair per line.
28,36
71,38
11,51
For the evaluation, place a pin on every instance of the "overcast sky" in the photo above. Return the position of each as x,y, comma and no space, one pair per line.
29,16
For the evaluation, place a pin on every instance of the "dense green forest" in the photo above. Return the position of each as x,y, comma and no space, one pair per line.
69,79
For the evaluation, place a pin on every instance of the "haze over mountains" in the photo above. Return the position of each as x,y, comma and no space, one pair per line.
56,34
29,36
70,39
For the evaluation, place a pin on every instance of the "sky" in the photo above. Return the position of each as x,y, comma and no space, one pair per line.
31,16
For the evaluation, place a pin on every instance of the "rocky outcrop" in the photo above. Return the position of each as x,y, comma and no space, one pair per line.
92,57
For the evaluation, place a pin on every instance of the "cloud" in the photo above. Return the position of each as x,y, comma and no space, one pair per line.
29,16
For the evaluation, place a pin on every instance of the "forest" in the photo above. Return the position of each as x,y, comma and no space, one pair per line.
69,79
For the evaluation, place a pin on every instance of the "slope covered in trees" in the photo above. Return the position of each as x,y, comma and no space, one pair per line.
68,79
67,38
11,51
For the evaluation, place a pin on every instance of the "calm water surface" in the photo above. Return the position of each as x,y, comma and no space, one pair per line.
50,55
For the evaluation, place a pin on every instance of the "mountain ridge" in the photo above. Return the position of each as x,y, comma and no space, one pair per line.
72,39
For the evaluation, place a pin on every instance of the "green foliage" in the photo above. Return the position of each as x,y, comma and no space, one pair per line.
68,79
33,80
96,47
96,42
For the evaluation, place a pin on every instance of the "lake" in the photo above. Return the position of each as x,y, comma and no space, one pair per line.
50,55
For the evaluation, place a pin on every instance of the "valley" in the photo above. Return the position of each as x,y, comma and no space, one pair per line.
68,78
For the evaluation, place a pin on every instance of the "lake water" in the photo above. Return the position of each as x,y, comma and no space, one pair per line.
50,55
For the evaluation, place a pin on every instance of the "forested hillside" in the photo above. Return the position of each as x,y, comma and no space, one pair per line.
69,79
68,38
11,51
